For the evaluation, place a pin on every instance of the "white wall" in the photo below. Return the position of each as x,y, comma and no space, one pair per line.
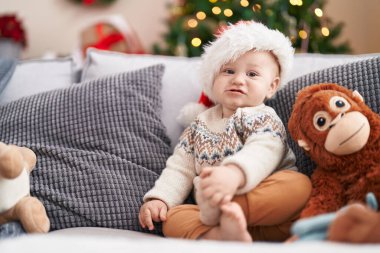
362,23
54,25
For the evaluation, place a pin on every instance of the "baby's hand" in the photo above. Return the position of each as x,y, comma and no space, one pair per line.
219,183
153,210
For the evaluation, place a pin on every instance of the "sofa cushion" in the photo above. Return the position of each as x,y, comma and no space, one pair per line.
305,63
363,76
35,76
100,146
7,66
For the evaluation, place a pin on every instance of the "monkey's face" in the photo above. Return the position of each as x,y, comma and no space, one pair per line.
337,123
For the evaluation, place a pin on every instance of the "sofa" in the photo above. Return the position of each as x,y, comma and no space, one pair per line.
103,129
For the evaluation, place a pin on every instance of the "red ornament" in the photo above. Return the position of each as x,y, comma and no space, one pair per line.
88,2
11,27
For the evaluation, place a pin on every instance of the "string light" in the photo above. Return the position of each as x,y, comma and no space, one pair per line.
216,10
296,2
192,23
244,3
200,15
302,34
318,12
196,42
213,1
228,12
256,7
325,31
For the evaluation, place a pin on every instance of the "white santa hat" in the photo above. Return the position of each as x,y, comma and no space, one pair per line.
233,42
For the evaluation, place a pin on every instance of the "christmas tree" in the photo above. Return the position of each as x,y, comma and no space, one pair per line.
193,23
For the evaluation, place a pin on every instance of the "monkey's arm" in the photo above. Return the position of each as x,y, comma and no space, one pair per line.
326,196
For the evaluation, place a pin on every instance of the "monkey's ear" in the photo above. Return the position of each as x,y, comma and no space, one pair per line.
356,93
303,144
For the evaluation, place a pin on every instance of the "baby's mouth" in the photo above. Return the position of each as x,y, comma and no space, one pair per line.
236,91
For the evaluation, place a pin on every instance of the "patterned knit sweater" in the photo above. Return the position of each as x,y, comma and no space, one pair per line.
253,138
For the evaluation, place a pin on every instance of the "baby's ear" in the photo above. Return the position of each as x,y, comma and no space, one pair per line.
273,87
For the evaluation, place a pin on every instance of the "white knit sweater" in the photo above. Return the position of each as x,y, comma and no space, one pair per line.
253,138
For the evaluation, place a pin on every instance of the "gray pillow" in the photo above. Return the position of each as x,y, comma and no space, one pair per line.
363,76
100,146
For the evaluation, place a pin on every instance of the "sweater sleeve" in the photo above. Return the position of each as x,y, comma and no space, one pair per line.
176,180
263,150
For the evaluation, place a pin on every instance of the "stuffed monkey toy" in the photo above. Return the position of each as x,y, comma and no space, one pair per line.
342,136
16,163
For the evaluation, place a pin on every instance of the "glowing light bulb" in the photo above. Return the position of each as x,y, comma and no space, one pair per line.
256,7
200,15
244,3
196,42
302,34
228,12
213,1
296,2
318,12
192,23
216,10
325,31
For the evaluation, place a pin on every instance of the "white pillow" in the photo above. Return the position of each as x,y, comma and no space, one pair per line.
180,83
35,76
307,63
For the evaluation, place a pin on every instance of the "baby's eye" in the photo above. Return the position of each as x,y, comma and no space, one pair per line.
228,71
251,74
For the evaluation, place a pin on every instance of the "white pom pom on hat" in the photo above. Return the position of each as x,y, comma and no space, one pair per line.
234,41
191,110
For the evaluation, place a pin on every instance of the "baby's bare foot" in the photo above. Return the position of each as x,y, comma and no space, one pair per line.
233,225
209,215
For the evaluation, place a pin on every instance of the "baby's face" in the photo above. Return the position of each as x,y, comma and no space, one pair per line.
246,82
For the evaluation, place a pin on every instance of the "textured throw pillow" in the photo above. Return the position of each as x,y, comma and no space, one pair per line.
100,146
363,76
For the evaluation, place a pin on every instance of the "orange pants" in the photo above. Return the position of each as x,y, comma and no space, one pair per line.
270,209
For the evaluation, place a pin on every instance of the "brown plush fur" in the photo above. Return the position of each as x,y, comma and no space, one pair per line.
28,210
337,180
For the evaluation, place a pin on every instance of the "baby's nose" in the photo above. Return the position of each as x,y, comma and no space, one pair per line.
238,79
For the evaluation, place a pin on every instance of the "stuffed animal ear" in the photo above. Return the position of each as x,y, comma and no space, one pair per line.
303,145
356,93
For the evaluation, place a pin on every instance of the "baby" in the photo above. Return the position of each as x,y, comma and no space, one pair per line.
235,154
